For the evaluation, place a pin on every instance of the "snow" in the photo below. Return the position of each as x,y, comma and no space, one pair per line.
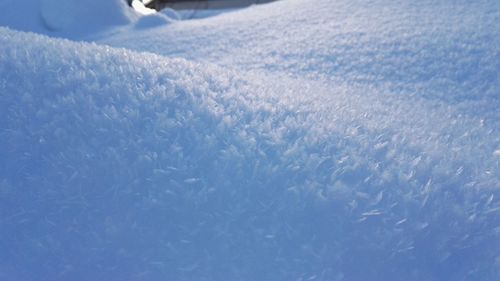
297,140
68,18
140,8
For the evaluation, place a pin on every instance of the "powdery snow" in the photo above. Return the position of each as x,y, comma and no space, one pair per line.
298,140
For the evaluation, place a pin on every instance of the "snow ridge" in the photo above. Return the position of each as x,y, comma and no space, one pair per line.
133,166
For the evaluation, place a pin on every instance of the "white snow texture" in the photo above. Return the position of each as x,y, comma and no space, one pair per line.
296,140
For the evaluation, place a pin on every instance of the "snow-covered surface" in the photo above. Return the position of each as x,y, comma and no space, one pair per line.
68,18
297,140
138,6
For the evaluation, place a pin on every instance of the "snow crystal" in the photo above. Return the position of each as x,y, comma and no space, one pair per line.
299,140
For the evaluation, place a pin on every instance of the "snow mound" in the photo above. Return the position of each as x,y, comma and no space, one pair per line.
301,140
68,18
447,50
171,13
153,20
133,166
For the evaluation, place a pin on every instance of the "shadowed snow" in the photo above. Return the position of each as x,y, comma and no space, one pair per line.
290,141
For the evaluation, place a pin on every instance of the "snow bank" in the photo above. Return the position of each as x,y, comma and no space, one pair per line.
359,151
139,167
68,18
406,46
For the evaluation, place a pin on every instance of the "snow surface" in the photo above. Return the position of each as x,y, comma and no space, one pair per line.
68,18
297,140
140,8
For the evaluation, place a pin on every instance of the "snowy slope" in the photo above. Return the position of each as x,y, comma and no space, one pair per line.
401,45
290,141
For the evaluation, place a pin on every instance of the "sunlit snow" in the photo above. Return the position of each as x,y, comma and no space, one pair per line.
139,7
296,140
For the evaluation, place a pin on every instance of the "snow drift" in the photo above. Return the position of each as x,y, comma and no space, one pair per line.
238,152
68,18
